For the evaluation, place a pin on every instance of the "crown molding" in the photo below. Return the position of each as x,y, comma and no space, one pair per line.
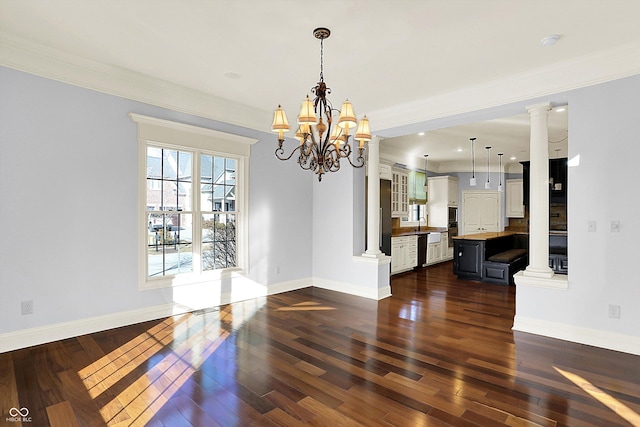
34,58
623,61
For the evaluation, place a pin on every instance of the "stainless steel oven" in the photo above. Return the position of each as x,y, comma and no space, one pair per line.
453,215
453,231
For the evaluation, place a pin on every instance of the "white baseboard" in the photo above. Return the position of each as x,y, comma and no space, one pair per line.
351,289
59,331
594,337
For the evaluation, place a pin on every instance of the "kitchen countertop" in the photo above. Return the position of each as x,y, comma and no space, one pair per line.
487,236
423,230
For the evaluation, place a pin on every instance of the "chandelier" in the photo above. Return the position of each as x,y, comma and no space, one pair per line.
322,143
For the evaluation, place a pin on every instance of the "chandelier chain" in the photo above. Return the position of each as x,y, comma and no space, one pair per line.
321,60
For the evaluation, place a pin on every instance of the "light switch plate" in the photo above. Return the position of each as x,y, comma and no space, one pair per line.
615,226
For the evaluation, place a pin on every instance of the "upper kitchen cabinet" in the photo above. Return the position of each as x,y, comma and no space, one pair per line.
384,171
557,180
514,192
399,193
443,193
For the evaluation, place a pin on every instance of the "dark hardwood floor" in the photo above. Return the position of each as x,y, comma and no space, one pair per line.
439,352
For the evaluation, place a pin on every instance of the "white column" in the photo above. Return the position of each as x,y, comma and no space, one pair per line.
373,199
539,193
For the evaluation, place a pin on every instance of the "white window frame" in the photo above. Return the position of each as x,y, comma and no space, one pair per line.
198,140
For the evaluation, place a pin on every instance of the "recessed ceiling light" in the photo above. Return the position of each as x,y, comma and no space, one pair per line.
513,157
561,109
550,40
459,150
421,133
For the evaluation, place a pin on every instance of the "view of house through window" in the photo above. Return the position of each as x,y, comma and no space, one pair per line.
218,194
176,219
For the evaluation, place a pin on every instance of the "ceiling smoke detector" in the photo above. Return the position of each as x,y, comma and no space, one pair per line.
550,40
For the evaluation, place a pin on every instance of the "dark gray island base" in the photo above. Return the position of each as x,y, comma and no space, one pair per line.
490,257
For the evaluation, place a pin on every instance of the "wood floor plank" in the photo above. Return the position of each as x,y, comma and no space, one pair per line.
8,387
289,406
86,411
61,415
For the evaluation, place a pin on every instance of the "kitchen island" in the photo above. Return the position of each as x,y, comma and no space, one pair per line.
490,257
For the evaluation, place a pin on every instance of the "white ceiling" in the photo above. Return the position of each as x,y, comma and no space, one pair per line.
381,54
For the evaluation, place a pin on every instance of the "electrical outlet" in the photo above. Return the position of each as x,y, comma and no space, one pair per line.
615,226
27,307
591,226
614,311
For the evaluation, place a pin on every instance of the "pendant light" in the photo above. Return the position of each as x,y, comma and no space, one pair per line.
425,174
487,185
500,172
472,181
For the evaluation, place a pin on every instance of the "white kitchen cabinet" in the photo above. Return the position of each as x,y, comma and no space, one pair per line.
384,171
514,192
445,249
442,194
399,193
434,253
404,253
481,212
452,194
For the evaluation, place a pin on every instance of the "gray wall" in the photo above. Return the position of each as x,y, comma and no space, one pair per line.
68,180
604,149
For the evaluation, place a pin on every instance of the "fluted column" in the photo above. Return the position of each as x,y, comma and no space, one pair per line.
373,199
539,193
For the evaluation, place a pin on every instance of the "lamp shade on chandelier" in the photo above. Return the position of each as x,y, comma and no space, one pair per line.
323,142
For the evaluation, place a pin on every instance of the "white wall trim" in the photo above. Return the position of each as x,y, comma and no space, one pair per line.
351,289
594,337
59,331
557,281
368,259
34,58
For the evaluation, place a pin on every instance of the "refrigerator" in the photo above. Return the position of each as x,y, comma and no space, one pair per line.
385,216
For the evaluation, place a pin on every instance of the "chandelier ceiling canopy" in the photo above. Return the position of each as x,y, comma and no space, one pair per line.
322,142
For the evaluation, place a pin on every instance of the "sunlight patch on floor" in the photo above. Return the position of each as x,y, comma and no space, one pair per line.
609,401
182,342
307,306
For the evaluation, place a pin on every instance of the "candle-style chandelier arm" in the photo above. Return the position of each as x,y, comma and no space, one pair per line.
359,159
280,152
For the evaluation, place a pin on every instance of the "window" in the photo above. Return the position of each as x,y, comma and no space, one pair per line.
417,216
218,194
170,219
193,187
